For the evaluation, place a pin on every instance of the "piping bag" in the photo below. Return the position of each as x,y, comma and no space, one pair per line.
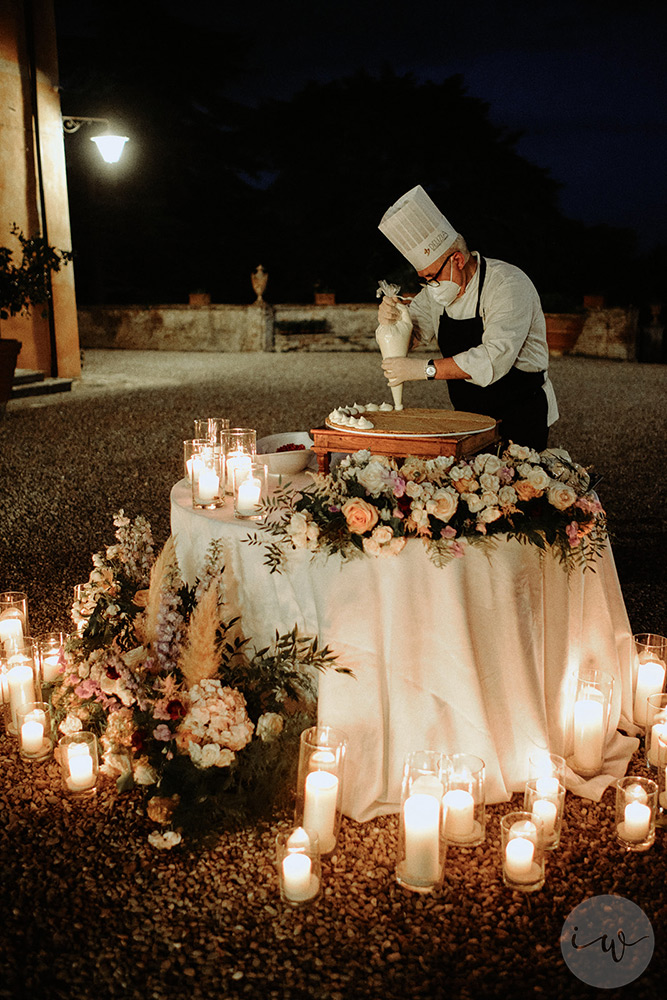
394,338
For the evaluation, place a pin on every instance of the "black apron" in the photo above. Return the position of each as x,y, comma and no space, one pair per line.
517,399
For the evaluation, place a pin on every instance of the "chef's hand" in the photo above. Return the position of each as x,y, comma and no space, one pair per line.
399,370
388,311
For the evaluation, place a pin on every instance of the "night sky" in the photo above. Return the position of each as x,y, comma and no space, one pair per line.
584,81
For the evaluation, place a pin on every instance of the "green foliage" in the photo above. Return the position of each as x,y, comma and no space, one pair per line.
28,283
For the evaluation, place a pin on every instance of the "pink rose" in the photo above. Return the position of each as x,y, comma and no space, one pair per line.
360,516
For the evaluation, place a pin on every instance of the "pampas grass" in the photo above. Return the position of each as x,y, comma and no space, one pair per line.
200,658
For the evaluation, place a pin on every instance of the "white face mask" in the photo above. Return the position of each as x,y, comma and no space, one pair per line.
445,292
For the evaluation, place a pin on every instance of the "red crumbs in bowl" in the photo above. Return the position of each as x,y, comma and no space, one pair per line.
291,447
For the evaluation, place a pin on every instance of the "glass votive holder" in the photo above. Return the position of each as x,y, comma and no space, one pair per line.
191,448
421,848
656,727
20,683
208,476
319,788
240,445
79,763
35,730
464,808
13,618
549,766
522,848
51,652
636,805
649,671
661,812
547,804
249,489
590,720
299,866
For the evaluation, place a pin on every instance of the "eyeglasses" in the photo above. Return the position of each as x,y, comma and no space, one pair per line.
435,280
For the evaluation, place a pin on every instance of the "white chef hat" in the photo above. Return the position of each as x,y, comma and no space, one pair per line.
417,227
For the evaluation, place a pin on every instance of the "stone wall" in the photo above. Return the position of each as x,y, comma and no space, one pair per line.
607,333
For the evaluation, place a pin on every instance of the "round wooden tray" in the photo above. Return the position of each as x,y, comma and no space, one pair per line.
411,423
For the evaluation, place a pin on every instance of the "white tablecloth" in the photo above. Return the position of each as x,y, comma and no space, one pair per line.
476,657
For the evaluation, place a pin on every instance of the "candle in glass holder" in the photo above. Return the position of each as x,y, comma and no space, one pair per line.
547,811
237,460
421,818
208,485
637,821
588,734
32,733
248,497
297,877
319,810
20,686
81,774
460,815
650,680
11,631
658,732
519,854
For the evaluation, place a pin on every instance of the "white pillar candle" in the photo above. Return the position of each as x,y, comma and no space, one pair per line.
20,686
194,466
11,631
32,732
650,680
319,809
248,497
237,460
50,667
297,877
547,788
658,730
547,811
421,820
637,821
208,485
460,814
80,770
588,734
519,854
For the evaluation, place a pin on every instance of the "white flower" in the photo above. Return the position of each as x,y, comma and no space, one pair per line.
444,504
374,478
489,514
164,841
475,503
561,496
414,490
487,463
71,724
507,496
490,499
489,483
269,725
539,478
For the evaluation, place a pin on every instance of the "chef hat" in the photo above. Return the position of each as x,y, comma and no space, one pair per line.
417,227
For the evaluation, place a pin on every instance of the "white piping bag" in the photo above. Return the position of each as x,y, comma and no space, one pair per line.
394,338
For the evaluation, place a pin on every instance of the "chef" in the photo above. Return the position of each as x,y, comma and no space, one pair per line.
487,318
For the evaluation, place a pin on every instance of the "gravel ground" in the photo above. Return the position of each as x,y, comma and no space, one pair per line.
91,910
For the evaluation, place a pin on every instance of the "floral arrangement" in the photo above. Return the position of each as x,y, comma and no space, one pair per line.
163,673
373,504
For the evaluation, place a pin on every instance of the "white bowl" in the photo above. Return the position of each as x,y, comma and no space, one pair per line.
286,463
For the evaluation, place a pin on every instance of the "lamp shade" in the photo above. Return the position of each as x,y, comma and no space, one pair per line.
110,146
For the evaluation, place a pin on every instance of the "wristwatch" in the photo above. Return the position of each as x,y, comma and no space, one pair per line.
430,369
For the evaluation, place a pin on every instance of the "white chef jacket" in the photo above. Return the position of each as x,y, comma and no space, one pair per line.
514,326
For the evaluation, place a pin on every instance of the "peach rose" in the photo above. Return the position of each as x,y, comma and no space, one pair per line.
561,497
360,516
444,507
526,490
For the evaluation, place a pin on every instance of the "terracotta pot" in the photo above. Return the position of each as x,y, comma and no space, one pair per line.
563,330
9,352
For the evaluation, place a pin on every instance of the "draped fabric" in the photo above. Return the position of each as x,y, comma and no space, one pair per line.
477,657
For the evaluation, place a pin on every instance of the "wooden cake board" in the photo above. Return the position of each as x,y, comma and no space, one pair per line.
443,432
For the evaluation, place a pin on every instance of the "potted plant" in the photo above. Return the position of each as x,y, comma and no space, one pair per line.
564,318
23,285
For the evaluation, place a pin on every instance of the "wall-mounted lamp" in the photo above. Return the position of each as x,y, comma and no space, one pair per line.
110,146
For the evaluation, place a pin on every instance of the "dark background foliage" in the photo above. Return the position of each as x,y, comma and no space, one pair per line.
208,188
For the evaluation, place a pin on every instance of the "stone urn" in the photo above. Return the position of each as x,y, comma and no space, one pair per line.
259,278
563,330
